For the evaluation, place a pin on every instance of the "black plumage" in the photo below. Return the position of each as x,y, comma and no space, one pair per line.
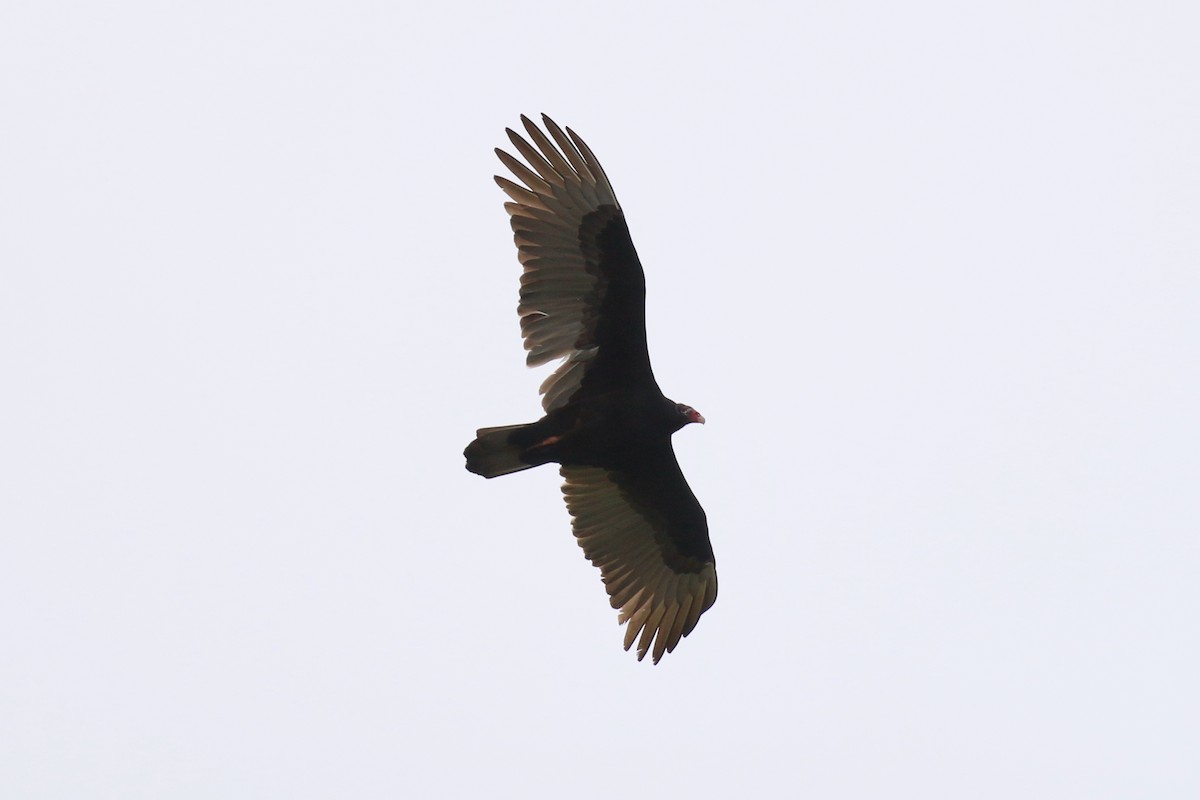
607,423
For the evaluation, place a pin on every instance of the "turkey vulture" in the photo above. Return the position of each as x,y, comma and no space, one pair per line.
583,299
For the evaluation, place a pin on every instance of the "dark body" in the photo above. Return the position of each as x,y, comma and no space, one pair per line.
607,423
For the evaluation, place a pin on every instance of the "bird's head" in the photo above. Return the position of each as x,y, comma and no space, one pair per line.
689,414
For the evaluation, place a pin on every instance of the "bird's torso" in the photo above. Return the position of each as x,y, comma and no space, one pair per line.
608,430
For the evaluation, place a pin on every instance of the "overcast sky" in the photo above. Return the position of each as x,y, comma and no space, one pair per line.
930,270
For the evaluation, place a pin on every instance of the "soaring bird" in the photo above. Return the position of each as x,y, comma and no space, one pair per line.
583,300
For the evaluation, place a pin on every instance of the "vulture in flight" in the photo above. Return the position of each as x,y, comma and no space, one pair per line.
607,424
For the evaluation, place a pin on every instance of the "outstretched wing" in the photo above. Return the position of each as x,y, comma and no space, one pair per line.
583,293
645,530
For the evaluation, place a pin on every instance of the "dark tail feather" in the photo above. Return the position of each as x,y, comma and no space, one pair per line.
492,454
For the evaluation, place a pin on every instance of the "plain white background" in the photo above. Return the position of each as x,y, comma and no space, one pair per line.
929,270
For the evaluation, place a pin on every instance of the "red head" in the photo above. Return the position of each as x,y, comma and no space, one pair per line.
689,414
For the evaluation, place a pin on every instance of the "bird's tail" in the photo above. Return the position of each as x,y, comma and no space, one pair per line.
494,453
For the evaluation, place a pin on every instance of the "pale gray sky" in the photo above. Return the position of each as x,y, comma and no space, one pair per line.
932,273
